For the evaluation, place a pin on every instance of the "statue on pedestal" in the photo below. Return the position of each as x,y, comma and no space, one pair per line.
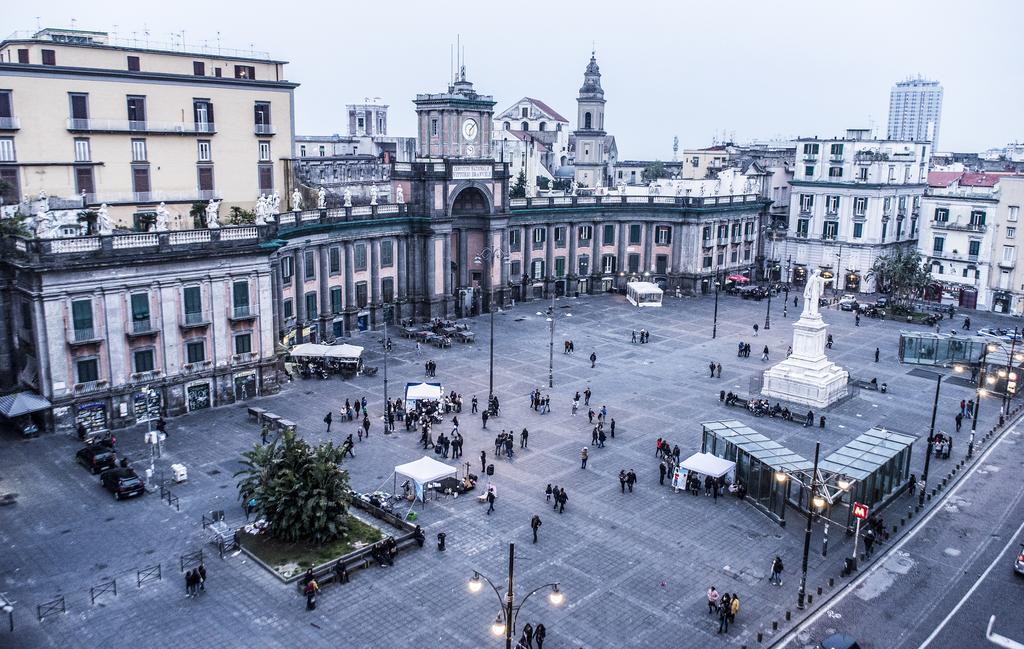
103,224
652,188
373,194
274,200
573,187
44,226
261,209
162,215
812,292
212,218
399,195
296,200
321,198
348,197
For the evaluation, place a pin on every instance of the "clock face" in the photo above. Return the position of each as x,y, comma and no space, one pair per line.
470,149
470,129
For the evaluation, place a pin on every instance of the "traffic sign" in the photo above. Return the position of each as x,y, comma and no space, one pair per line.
860,511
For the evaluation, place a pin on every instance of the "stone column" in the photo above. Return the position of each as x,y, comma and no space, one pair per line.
374,296
463,258
300,295
428,289
595,258
325,294
527,239
278,300
350,288
648,258
621,249
502,290
446,268
549,261
677,246
572,231
401,282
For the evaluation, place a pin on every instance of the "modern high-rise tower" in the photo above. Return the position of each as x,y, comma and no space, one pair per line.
915,110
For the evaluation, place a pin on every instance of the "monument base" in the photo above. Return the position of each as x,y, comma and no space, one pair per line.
807,377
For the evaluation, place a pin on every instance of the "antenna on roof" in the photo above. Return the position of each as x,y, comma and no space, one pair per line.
451,64
73,23
38,24
218,41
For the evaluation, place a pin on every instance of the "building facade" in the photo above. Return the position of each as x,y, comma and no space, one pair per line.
110,328
1007,278
852,200
367,136
915,111
94,122
958,229
532,121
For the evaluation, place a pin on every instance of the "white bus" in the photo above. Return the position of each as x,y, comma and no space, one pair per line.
643,294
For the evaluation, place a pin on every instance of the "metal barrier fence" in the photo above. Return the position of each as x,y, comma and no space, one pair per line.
152,573
191,560
51,607
105,587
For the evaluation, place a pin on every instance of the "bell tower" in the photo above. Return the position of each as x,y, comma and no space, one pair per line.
590,134
456,123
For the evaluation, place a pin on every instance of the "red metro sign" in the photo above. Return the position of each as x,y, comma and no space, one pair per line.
860,511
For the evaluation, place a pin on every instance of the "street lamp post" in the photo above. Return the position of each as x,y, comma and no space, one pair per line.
768,313
386,308
807,531
1010,375
977,399
931,436
505,622
551,345
491,255
714,327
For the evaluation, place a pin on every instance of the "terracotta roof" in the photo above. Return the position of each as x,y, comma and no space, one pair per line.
979,180
943,178
548,109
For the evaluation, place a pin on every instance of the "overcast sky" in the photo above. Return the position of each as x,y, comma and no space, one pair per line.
696,70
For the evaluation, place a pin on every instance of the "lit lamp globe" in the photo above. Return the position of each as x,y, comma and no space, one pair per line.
498,628
556,597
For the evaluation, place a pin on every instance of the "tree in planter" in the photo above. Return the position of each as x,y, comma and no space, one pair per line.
198,214
299,489
241,217
902,276
14,226
519,188
654,171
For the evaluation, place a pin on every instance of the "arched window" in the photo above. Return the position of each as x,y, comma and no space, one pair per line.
587,120
507,126
543,127
526,126
563,161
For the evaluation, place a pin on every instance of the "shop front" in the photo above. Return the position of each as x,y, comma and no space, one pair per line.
853,282
1002,301
198,396
245,385
93,416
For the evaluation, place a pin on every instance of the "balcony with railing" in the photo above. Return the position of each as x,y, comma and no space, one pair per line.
263,129
244,312
194,320
84,336
9,124
244,357
142,327
147,127
960,227
90,386
627,202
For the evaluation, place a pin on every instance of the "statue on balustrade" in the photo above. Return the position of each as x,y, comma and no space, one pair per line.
296,200
348,197
275,203
399,195
212,217
373,194
321,198
103,224
43,223
162,215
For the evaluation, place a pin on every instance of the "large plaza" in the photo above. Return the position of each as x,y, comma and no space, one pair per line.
634,567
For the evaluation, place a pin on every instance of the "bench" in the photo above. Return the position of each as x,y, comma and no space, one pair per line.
257,413
286,425
271,419
361,558
465,336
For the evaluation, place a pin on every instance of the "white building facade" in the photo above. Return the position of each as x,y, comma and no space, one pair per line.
852,200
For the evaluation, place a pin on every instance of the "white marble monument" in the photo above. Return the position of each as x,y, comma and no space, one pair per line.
807,377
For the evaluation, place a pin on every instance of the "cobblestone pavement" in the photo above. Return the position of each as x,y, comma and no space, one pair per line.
633,567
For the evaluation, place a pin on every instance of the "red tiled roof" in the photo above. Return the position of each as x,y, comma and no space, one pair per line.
979,180
943,178
548,109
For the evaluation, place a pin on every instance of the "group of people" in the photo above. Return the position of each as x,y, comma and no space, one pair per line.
531,633
645,336
743,350
195,581
568,347
504,442
715,370
725,605
384,552
430,369
627,479
557,494
538,403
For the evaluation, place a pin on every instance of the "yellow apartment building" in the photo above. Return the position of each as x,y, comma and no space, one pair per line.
88,119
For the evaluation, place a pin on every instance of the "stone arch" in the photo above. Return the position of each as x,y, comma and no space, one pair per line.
471,199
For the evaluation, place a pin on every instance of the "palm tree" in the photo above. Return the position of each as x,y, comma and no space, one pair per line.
300,490
901,275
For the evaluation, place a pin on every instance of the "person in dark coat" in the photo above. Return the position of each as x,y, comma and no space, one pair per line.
630,479
201,576
593,359
327,420
539,633
662,470
622,480
528,636
611,427
483,461
535,525
490,501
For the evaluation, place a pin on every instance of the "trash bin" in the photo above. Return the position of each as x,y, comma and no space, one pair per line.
490,469
440,541
721,395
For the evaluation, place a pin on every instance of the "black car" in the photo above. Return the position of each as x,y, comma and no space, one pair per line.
97,457
123,482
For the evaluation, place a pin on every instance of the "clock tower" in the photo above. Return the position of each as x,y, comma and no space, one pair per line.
456,123
591,140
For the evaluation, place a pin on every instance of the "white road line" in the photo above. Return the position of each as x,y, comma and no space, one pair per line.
852,586
999,557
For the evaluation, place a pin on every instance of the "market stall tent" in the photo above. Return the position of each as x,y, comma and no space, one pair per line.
644,294
708,464
423,391
345,351
309,350
424,471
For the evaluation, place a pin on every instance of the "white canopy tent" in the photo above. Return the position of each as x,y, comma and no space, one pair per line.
423,391
424,471
308,350
344,352
643,294
708,464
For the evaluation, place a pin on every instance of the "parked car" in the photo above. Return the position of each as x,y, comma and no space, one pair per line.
849,297
1018,565
849,303
97,457
123,482
882,302
753,293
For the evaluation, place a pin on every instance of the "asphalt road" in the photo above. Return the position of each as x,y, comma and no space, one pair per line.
938,587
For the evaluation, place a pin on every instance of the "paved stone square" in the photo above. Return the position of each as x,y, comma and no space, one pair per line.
633,567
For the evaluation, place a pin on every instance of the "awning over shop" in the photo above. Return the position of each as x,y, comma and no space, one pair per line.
735,277
343,351
22,403
423,391
309,350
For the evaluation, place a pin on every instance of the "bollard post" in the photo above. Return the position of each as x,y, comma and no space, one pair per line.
788,614
831,582
760,637
775,625
810,599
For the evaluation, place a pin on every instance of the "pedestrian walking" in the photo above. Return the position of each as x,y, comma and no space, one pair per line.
527,638
483,418
490,500
583,457
535,525
547,493
590,415
630,479
856,319
869,542
755,330
366,425
189,578
483,461
634,336
724,608
967,323
829,343
662,470
711,368
474,405
593,437
764,354
312,588
876,354
712,600
734,608
264,434
593,360
776,577
539,634
718,370
586,396
611,427
622,480
201,574
327,420
563,498
959,421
